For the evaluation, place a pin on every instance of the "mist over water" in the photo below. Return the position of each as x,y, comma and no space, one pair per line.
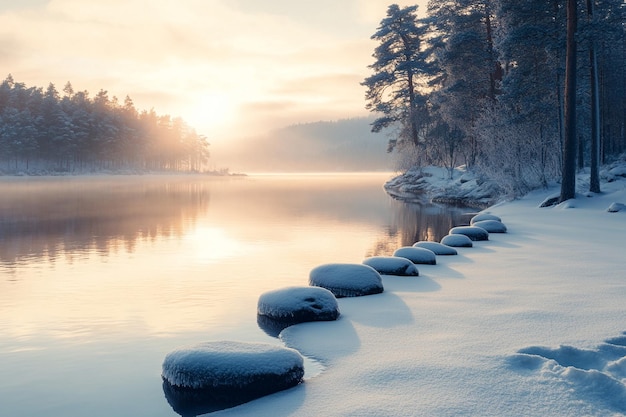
100,277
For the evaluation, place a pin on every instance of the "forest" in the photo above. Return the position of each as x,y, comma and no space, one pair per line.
42,131
482,83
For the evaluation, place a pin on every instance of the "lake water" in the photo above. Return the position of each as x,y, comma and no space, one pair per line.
101,277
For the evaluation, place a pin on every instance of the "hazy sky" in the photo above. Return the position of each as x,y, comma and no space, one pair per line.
228,67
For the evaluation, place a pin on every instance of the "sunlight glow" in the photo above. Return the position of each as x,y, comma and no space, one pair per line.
212,113
210,244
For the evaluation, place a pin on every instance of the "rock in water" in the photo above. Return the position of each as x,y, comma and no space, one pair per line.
491,226
484,216
299,304
457,241
417,255
475,233
215,375
392,265
347,280
436,247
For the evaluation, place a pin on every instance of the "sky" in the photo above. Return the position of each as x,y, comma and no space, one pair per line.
230,68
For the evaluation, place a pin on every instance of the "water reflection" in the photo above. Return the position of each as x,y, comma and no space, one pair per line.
415,221
48,218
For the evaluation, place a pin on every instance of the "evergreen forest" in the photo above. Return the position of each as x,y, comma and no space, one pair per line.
44,131
481,83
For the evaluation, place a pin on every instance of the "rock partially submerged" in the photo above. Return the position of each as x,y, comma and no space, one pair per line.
436,247
491,226
457,241
392,265
298,305
347,280
475,233
216,375
484,216
417,255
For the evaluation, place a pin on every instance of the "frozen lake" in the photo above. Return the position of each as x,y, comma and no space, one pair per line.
101,277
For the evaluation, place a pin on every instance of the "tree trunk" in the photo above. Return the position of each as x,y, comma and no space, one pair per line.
594,180
568,183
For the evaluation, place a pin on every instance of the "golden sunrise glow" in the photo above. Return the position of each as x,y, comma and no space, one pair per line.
227,68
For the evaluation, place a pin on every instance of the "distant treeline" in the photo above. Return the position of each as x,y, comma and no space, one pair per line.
46,131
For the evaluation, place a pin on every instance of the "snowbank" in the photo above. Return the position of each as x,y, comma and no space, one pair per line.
529,323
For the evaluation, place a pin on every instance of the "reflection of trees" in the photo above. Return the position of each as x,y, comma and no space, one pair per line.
49,218
413,222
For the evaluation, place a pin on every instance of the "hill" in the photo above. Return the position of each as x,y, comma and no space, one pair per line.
342,145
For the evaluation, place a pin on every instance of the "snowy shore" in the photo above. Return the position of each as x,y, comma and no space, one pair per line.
436,184
463,188
530,323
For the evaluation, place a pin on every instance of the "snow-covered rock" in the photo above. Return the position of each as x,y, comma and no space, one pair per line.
298,304
417,255
491,226
392,265
457,241
615,207
484,216
347,280
475,233
436,247
436,184
215,375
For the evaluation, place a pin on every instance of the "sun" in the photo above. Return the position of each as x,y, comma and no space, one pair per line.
210,113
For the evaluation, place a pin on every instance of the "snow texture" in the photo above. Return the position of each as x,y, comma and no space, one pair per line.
417,255
298,304
347,280
392,265
475,233
227,364
596,375
436,247
491,226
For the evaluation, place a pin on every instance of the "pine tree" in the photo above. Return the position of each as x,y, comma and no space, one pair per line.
399,68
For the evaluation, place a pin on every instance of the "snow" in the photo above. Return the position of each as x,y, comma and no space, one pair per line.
484,216
392,265
347,280
529,323
417,255
300,303
229,364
